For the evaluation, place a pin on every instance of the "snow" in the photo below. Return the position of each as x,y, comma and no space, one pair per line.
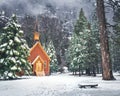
1,60
23,60
16,52
17,40
10,42
11,53
21,32
59,85
3,45
12,59
14,68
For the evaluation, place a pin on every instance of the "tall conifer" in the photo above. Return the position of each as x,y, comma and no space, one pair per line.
14,51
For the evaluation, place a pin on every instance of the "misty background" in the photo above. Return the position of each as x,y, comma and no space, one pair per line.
55,18
36,7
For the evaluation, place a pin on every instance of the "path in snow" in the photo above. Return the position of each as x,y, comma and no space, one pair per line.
59,85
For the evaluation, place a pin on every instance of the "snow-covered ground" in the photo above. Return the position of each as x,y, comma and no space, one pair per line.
60,85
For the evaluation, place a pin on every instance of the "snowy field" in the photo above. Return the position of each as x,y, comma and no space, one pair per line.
59,85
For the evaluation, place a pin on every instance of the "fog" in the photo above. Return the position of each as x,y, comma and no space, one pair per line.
37,7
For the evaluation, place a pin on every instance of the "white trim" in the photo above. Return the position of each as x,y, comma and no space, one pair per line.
35,59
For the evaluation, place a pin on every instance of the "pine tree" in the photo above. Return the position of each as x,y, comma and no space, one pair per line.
83,33
75,54
116,37
96,43
77,49
92,50
81,52
14,51
50,49
81,24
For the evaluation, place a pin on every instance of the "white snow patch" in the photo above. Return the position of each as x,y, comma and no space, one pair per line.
17,39
59,85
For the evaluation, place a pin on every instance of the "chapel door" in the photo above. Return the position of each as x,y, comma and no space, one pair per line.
39,69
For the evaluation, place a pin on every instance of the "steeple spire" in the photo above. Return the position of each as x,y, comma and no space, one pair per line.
36,29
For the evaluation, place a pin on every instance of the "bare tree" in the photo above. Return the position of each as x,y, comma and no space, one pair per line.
106,63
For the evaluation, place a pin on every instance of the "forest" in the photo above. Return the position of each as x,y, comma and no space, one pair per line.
82,35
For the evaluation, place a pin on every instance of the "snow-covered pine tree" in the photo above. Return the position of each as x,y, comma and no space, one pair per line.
74,54
79,41
80,50
13,51
81,25
50,49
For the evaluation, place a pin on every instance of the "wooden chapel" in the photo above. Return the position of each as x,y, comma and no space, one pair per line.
39,58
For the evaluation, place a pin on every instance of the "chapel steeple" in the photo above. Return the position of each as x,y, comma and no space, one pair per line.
36,31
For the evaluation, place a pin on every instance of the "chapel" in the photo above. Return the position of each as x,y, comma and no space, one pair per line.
38,58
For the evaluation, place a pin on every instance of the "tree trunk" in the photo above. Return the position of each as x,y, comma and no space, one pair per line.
106,64
79,71
94,71
88,71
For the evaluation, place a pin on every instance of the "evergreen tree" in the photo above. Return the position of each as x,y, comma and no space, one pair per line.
93,52
83,34
78,49
14,51
96,37
76,54
96,42
50,49
81,24
116,37
82,50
